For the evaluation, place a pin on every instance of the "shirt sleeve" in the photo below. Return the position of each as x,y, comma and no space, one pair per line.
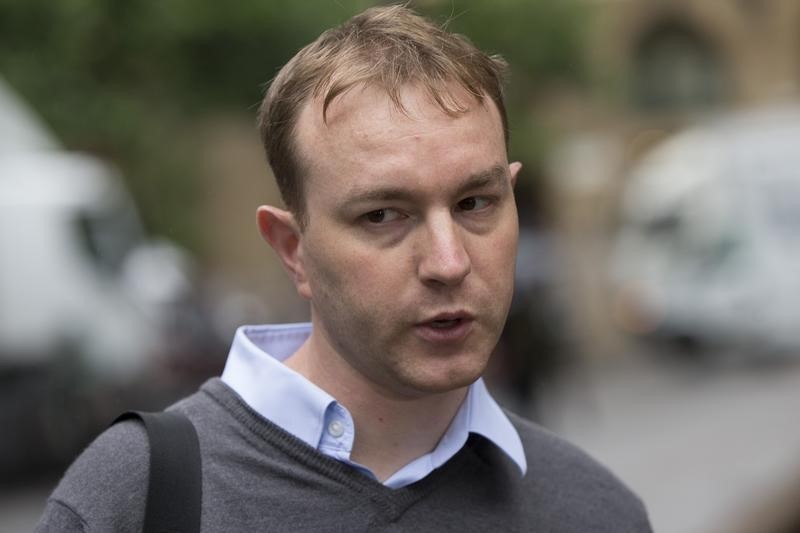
105,489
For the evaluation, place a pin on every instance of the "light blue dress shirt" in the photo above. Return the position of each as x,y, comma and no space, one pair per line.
254,370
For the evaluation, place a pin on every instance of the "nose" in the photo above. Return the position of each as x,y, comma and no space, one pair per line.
443,259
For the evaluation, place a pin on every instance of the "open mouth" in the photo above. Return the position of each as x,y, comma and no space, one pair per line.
444,324
453,328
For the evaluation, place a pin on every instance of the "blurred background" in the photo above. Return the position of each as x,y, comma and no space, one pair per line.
656,321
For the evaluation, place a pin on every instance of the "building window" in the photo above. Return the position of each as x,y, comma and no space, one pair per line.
675,68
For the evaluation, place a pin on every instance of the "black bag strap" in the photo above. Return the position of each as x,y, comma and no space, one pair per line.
174,490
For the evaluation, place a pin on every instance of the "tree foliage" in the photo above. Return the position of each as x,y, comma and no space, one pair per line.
123,78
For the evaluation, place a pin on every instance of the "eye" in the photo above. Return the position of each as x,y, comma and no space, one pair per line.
382,216
474,203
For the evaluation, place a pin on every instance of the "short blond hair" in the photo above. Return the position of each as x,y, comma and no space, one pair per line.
388,47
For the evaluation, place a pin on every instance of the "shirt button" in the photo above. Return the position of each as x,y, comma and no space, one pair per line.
336,429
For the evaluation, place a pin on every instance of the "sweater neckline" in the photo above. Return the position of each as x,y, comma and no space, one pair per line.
264,433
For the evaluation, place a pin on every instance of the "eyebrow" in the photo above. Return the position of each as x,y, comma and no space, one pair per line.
494,175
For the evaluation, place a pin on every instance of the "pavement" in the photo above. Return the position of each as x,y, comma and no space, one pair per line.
711,446
21,506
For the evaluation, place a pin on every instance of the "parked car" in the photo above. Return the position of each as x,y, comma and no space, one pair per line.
708,249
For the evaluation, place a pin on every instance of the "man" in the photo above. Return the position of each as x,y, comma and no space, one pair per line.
387,137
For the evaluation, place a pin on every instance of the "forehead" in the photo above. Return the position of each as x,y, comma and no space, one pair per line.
369,105
365,139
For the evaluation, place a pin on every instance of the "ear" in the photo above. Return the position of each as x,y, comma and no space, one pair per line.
281,230
514,169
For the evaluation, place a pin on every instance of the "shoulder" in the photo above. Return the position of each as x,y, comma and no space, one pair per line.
111,474
546,452
105,488
577,481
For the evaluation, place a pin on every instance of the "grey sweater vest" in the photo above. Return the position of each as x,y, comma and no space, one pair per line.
257,477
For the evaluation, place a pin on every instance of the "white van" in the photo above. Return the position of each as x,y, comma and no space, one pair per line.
77,274
708,250
68,230
86,300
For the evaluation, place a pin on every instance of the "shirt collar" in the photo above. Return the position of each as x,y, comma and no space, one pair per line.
487,419
254,370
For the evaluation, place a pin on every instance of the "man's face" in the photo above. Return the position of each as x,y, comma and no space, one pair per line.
411,238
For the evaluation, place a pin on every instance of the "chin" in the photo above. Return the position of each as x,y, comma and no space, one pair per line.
452,377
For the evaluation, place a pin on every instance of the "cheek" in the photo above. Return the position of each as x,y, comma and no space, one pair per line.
354,275
498,254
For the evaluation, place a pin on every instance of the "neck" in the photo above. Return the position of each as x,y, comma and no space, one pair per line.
391,429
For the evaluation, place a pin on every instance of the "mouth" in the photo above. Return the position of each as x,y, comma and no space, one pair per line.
446,327
443,324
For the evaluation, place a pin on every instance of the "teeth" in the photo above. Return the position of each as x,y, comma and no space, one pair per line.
444,323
